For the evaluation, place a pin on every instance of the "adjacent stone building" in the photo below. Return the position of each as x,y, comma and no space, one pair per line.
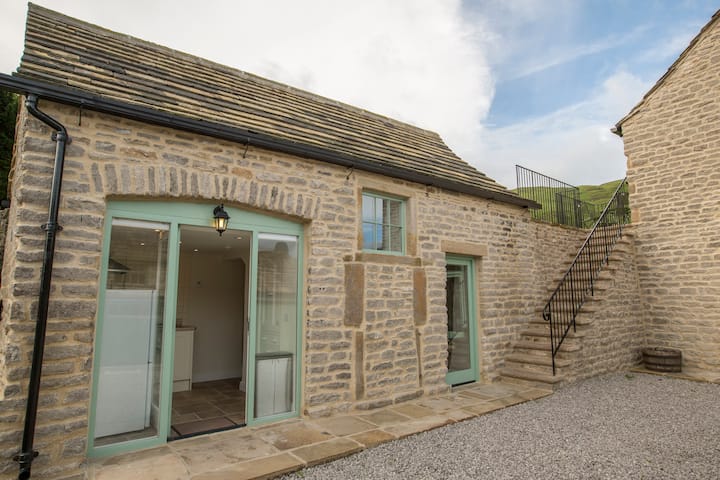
672,144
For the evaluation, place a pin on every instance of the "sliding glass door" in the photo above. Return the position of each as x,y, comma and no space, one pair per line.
136,327
275,332
130,341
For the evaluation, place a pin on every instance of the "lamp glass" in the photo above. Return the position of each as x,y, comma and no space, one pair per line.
220,219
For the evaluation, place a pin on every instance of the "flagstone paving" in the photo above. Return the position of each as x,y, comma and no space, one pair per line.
272,450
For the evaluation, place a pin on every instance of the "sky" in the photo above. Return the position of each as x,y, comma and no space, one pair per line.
537,83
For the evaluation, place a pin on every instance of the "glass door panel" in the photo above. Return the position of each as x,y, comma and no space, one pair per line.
130,339
461,360
276,324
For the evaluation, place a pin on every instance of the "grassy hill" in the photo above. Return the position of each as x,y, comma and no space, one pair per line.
598,194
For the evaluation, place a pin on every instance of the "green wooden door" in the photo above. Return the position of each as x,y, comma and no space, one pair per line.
462,328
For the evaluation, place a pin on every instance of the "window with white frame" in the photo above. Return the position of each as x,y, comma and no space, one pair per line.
383,223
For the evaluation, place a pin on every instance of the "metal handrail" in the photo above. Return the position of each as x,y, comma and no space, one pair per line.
579,280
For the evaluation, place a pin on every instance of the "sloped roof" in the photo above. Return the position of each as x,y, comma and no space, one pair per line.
73,54
670,71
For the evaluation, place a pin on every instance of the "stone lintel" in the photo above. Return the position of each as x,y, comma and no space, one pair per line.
464,248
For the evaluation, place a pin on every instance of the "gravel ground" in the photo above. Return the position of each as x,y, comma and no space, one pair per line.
623,425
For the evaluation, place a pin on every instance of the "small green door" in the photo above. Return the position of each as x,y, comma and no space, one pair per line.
462,330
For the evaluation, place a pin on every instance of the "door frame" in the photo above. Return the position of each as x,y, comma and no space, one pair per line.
197,214
471,374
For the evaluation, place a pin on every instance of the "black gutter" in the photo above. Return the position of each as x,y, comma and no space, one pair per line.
82,99
27,454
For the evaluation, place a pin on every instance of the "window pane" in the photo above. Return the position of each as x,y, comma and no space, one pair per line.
458,319
275,352
382,223
130,345
368,209
368,236
395,239
380,241
393,212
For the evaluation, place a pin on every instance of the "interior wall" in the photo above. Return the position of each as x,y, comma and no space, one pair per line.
211,297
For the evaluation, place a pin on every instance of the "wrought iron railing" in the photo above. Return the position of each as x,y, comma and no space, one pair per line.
579,280
560,201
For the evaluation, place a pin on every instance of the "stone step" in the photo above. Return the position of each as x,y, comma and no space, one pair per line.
590,306
581,320
530,375
567,346
537,330
599,285
533,359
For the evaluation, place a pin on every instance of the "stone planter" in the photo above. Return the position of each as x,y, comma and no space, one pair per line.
659,359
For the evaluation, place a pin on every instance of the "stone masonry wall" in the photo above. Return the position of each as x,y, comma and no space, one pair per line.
613,334
374,326
672,144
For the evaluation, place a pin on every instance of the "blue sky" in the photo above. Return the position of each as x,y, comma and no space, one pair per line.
532,82
554,65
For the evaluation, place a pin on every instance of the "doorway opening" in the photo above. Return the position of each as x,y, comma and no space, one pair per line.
462,336
210,357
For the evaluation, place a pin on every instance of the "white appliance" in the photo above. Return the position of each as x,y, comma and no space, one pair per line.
126,363
273,392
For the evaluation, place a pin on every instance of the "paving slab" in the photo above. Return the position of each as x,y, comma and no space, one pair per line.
384,417
271,450
373,438
327,451
413,410
155,464
418,425
258,469
342,426
287,437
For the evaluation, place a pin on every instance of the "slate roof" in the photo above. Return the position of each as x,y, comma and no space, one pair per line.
73,54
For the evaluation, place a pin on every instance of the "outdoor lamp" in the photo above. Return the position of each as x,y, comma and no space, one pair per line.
220,219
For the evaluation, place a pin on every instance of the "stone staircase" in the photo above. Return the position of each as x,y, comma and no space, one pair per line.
530,361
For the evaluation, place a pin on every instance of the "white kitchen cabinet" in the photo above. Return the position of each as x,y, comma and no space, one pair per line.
183,363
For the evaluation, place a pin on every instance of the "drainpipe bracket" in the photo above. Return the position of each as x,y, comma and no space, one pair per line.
25,457
55,228
55,135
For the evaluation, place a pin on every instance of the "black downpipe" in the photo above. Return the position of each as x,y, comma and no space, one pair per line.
27,454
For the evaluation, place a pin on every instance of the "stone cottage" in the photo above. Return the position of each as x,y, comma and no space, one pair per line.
673,158
180,230
211,232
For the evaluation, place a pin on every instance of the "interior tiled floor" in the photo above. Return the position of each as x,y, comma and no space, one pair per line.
209,406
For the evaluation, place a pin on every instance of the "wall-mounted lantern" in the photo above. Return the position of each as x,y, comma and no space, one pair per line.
220,219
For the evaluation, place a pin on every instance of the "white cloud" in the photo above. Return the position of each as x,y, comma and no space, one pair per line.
427,62
419,61
573,144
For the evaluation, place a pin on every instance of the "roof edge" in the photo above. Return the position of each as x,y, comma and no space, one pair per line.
137,41
618,126
82,99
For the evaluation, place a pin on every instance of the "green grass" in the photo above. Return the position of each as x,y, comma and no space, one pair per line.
598,194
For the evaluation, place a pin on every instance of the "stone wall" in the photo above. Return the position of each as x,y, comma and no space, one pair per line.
613,333
375,327
673,156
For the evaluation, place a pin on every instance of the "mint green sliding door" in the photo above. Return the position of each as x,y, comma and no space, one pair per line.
462,328
135,335
275,335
